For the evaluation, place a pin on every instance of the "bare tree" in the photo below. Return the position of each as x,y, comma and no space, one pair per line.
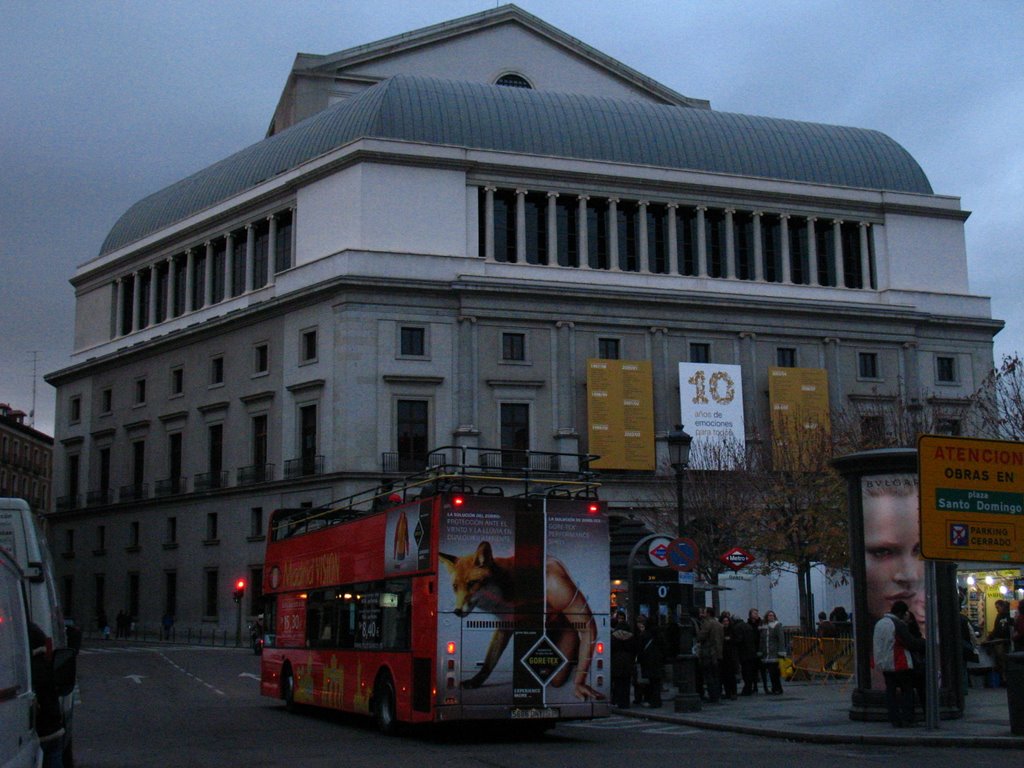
999,402
718,498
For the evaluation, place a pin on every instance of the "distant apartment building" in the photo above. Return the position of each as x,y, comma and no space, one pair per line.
26,460
438,232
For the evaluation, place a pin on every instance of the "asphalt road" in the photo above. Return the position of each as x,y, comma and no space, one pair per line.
174,706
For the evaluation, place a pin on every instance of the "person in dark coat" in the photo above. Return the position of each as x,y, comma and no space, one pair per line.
624,647
651,656
730,656
746,653
49,715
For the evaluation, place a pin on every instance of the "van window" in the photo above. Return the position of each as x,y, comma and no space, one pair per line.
14,661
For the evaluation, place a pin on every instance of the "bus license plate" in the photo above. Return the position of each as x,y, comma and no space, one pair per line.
537,713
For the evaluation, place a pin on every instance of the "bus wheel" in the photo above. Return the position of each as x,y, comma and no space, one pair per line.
288,690
384,706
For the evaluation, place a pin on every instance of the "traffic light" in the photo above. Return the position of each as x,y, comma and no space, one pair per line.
239,590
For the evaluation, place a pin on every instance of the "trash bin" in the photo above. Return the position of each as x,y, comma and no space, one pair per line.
1015,691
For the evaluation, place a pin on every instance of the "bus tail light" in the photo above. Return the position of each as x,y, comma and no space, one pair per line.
450,647
599,648
458,501
600,681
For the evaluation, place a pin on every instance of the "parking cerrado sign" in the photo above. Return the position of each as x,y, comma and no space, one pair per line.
972,499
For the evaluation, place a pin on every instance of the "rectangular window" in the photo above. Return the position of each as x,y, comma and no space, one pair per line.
256,522
69,541
138,466
107,400
177,381
608,349
133,534
700,353
212,592
867,365
211,526
75,414
100,595
261,358
950,427
945,370
172,530
308,346
140,391
217,370
283,242
133,598
515,434
413,342
308,419
872,430
412,434
259,445
170,600
513,346
101,538
174,462
215,460
785,357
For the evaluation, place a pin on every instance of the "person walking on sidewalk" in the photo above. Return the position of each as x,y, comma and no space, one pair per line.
711,639
1018,627
773,647
998,639
892,644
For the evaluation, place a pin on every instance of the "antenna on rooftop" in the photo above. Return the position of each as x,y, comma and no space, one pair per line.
32,413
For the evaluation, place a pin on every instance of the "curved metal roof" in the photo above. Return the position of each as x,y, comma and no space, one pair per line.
544,123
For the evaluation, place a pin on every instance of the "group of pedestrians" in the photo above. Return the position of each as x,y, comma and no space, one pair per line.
729,650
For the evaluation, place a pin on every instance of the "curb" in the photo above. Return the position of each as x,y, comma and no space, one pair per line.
957,740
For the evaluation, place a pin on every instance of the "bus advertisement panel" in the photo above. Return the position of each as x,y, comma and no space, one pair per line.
527,605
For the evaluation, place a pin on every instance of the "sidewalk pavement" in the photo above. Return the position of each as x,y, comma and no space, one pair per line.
818,712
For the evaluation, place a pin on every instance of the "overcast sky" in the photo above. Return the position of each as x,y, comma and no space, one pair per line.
102,103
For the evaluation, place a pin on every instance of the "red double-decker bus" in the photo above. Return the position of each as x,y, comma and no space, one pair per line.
465,602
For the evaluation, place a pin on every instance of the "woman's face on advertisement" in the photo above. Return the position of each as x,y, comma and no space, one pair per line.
892,554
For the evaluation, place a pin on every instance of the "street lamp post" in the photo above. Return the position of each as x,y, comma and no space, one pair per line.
685,673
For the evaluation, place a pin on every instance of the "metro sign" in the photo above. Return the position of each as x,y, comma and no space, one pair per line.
737,558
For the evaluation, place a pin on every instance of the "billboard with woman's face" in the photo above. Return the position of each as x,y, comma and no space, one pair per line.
893,568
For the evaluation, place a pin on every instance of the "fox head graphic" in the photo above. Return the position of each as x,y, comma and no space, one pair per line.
478,580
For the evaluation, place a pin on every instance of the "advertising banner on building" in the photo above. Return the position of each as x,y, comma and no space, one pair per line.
620,413
798,398
711,407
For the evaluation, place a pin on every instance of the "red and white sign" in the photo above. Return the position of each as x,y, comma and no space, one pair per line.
737,558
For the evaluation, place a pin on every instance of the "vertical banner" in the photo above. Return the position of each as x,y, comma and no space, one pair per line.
620,413
711,406
798,398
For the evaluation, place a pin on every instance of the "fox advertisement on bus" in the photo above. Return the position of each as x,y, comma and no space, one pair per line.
523,606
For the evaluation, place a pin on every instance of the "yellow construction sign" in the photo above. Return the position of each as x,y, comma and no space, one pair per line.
972,499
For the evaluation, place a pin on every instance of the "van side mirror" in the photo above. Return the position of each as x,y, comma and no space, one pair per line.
65,668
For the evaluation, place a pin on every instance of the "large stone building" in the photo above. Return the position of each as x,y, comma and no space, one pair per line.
438,232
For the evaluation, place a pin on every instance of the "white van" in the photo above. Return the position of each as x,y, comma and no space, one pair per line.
21,535
19,745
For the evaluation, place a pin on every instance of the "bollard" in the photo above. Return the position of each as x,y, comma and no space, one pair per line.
1015,691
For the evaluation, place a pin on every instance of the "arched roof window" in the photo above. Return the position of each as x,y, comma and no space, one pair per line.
513,80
